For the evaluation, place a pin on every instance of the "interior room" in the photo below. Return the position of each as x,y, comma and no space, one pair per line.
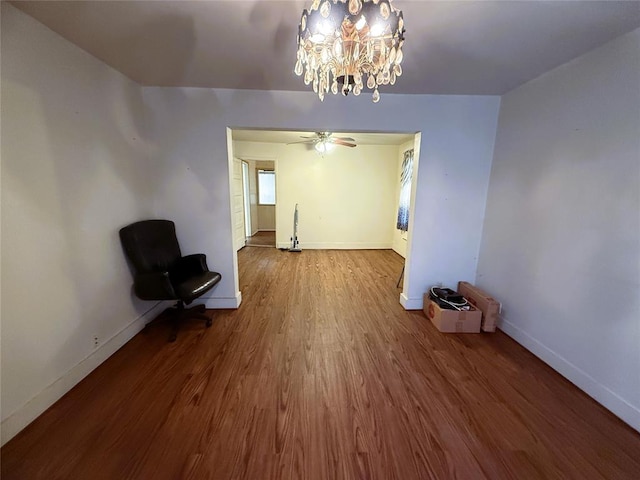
348,194
523,122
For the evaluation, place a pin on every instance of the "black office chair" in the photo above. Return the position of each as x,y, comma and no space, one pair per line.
162,273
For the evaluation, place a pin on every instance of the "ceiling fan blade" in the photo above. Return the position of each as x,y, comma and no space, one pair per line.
303,141
346,139
339,141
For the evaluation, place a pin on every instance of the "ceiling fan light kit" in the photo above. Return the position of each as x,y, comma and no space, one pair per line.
340,42
324,147
324,142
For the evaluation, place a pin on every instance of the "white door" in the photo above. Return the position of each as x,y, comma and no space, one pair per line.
246,193
238,206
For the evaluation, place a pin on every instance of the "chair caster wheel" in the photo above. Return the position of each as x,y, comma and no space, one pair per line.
209,323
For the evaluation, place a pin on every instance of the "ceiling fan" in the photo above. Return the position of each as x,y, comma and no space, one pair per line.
323,141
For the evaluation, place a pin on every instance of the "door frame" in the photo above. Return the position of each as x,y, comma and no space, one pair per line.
246,198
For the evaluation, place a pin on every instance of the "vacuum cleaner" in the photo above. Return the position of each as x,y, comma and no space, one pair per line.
295,245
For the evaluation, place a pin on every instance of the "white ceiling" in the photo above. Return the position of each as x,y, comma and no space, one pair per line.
452,47
281,136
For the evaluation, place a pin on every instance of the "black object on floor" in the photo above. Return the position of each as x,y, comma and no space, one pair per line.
162,273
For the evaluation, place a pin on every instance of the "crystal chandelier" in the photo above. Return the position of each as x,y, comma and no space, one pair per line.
340,42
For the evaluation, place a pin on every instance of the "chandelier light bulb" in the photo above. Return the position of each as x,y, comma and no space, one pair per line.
343,42
327,28
377,30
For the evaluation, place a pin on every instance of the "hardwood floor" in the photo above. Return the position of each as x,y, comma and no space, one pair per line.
321,375
262,239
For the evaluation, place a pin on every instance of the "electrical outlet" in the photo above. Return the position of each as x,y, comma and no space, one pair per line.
96,341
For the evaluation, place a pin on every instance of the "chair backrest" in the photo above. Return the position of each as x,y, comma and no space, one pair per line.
151,245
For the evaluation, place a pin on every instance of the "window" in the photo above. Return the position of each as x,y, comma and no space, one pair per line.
266,187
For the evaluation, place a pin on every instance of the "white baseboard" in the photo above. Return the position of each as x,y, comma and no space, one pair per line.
411,303
339,245
223,302
603,395
22,417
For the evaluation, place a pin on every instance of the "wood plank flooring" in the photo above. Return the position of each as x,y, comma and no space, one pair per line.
321,375
262,239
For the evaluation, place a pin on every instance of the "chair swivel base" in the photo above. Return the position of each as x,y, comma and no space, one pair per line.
180,313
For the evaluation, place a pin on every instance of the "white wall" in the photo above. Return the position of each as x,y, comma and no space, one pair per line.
561,242
266,217
399,241
345,199
452,178
74,170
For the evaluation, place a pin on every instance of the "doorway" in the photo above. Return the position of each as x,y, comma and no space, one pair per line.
259,200
348,197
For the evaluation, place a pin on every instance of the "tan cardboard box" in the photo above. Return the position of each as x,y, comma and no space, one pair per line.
452,321
489,306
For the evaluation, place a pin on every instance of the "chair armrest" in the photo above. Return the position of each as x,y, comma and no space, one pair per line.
154,286
188,266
